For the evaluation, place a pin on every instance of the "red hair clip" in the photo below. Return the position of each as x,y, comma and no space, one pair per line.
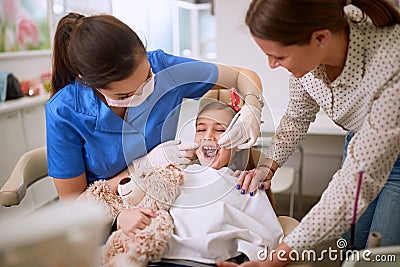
235,99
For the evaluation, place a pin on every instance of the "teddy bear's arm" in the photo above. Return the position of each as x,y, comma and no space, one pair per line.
101,194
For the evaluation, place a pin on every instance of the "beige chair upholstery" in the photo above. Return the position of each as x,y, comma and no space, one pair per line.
287,223
220,94
31,167
284,181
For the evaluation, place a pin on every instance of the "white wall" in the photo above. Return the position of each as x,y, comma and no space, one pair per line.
150,19
236,47
26,65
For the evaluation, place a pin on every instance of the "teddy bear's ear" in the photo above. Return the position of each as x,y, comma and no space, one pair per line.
124,180
124,187
130,190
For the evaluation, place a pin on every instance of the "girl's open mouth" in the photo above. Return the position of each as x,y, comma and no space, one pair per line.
209,152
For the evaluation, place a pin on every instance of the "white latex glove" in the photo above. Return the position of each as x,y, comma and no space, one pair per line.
188,150
162,155
244,132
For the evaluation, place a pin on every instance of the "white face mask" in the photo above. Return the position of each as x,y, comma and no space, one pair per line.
142,93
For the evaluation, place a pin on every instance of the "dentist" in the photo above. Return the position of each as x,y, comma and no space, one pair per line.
114,105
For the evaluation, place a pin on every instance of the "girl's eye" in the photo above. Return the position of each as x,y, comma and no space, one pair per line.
200,130
220,130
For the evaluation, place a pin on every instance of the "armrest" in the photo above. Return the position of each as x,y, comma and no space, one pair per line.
32,166
287,223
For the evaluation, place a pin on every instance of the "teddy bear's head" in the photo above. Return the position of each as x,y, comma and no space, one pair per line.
156,189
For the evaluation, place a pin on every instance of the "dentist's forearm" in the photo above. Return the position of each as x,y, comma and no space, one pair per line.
250,87
244,80
248,81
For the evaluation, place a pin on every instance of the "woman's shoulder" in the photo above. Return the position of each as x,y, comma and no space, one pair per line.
155,55
62,97
157,59
160,60
373,37
382,46
74,97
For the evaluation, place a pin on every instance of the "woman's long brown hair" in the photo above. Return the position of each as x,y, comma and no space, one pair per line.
97,49
293,22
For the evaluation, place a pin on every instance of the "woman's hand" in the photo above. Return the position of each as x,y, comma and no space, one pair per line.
259,178
188,150
132,220
250,181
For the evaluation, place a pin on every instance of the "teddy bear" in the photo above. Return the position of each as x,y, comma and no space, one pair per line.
156,189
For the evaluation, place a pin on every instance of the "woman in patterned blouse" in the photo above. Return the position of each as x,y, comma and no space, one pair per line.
347,62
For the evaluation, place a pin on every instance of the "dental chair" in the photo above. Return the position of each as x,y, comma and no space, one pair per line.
30,168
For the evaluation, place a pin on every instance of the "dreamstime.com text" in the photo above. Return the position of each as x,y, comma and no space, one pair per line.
332,254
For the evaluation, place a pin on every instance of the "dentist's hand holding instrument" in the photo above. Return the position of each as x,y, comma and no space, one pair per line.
244,129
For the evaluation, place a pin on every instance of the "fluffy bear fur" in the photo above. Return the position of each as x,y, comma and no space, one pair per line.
162,188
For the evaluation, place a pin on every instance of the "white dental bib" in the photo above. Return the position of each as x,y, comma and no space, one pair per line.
214,222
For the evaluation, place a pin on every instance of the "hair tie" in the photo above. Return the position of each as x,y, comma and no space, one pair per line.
235,99
348,2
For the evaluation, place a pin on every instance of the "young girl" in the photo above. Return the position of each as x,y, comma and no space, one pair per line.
211,222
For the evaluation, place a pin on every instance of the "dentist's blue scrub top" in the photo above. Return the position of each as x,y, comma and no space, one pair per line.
84,135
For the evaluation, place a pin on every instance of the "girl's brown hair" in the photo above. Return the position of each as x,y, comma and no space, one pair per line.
293,22
97,49
212,104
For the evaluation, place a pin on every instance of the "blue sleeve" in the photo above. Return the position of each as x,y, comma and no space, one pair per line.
64,147
192,78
